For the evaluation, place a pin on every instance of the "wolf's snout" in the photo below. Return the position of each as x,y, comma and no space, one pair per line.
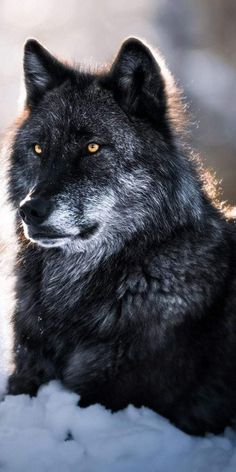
35,211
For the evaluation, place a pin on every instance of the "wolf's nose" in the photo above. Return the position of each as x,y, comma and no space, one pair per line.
35,211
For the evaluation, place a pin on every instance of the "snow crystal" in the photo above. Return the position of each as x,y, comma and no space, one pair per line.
51,433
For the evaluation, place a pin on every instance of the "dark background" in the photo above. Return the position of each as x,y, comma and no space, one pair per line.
197,38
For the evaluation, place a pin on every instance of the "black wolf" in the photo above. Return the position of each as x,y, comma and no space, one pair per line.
126,271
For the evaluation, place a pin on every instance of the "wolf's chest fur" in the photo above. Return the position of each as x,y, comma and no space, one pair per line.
116,335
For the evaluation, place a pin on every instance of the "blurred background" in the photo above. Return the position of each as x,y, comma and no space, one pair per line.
197,38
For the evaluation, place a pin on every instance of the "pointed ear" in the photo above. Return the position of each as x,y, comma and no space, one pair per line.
42,71
137,80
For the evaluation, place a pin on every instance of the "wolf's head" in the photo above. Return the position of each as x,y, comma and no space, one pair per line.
95,162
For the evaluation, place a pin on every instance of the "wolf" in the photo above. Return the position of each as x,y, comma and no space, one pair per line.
126,269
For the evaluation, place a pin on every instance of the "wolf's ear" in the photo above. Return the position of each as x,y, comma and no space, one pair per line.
42,71
137,80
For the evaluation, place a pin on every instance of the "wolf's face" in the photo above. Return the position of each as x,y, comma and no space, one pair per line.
78,147
91,162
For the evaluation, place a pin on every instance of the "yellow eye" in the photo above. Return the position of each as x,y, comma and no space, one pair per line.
37,149
93,147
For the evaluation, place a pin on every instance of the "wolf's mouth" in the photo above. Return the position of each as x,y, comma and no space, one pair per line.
85,233
88,230
48,236
45,238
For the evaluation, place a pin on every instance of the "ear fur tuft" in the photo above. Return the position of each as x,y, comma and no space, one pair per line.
137,80
42,71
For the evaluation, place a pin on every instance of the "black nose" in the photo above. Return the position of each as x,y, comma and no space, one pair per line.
35,211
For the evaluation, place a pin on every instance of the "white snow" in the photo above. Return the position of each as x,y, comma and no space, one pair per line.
33,433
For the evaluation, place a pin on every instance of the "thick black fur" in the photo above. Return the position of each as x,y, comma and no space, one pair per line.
146,312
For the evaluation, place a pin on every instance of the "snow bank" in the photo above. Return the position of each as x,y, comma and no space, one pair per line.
51,433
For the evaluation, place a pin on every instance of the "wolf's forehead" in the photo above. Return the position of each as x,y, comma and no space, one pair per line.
66,114
74,110
80,119
89,104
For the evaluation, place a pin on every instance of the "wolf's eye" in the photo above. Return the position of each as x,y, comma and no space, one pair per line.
37,149
93,147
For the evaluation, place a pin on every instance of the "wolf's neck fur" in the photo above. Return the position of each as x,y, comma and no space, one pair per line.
78,269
